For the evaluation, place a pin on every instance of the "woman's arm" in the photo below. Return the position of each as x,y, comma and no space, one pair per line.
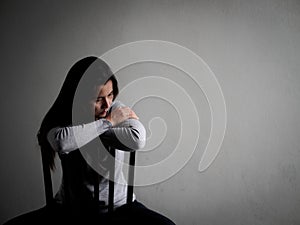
128,135
66,139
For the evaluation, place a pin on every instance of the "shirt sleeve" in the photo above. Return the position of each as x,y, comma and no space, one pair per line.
128,136
66,139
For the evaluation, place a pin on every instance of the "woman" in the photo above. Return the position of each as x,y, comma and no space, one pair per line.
84,110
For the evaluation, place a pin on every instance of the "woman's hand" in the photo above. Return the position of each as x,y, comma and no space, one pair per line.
120,114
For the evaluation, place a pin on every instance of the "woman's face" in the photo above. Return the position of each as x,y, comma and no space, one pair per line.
103,100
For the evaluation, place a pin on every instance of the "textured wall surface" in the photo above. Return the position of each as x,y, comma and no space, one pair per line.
252,47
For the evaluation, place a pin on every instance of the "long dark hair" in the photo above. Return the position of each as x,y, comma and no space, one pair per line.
60,113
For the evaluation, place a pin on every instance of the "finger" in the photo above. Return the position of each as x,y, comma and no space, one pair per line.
133,115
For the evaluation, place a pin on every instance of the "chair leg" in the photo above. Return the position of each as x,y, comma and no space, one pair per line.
130,177
111,183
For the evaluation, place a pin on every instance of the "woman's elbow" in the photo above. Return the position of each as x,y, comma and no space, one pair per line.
139,144
132,144
62,147
139,139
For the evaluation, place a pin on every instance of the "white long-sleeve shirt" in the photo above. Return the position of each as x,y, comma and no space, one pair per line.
126,136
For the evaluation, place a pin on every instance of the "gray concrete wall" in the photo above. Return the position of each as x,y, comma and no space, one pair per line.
252,47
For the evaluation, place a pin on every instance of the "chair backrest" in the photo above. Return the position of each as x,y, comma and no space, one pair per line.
130,184
130,181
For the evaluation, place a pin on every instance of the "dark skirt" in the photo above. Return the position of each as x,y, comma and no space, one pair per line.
134,213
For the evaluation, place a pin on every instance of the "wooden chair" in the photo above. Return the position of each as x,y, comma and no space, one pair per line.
49,187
